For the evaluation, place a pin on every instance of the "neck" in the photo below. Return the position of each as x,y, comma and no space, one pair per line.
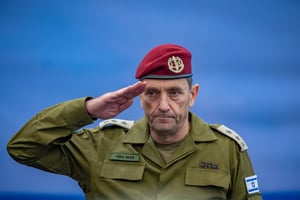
170,138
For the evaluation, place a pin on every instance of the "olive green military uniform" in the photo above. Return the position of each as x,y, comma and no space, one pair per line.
122,162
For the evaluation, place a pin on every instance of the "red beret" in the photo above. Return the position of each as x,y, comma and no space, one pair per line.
167,61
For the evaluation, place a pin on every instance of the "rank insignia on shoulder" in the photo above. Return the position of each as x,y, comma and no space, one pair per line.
127,124
231,134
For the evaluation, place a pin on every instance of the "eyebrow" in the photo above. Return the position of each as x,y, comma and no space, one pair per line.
167,89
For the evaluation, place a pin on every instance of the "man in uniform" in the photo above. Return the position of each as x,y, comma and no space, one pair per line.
169,154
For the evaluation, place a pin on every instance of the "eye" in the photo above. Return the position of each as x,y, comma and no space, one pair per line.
151,93
174,93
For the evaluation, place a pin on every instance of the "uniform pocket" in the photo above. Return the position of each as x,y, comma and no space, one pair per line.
205,177
123,170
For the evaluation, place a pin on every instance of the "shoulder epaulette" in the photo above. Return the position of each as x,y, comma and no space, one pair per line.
127,124
231,134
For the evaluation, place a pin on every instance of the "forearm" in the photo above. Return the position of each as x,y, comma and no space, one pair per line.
50,127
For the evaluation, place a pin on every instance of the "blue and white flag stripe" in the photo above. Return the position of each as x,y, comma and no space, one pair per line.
252,184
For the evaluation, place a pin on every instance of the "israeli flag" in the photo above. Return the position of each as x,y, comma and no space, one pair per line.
252,184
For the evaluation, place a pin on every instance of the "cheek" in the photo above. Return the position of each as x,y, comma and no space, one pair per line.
146,105
182,107
184,103
179,107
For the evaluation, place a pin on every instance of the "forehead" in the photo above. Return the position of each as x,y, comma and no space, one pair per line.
166,83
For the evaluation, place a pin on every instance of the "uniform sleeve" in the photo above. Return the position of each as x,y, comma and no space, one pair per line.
244,171
39,143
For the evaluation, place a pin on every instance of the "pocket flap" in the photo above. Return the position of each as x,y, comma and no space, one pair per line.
204,177
123,170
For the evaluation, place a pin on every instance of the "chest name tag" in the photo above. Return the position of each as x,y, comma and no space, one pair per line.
130,157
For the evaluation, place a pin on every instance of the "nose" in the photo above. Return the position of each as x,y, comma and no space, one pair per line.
164,105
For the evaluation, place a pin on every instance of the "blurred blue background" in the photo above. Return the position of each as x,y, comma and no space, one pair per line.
246,58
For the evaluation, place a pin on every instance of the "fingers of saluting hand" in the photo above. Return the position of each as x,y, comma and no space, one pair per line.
123,98
111,104
131,91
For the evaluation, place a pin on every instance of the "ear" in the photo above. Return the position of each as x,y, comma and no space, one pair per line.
194,94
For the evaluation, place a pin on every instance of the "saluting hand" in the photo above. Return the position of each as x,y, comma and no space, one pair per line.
111,104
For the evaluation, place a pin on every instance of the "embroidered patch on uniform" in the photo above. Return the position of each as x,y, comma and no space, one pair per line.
251,184
209,165
130,157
